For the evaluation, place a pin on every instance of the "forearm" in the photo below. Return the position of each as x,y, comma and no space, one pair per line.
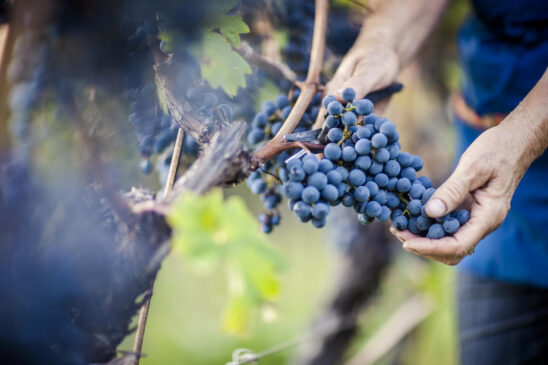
529,122
404,25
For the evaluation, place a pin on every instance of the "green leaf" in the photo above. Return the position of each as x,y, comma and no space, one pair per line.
231,26
212,233
220,65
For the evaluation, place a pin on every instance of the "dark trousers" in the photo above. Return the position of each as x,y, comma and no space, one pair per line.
501,323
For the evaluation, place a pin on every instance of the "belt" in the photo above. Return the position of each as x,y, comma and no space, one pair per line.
468,115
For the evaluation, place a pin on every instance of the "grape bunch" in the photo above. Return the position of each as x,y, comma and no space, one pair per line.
264,126
363,167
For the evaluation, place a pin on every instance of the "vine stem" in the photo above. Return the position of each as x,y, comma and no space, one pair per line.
308,88
143,314
273,67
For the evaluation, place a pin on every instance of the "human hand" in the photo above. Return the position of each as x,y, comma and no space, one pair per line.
371,64
488,173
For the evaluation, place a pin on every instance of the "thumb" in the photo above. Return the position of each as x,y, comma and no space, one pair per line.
450,194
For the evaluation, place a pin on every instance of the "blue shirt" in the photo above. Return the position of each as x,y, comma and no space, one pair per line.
504,52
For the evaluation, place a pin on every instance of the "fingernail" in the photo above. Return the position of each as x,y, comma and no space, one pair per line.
436,207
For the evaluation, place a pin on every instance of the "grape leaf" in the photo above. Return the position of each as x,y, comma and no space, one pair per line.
209,232
231,27
221,66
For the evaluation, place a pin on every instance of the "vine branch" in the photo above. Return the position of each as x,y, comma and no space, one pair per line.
274,68
309,87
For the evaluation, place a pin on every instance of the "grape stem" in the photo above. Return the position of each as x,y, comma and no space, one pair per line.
309,88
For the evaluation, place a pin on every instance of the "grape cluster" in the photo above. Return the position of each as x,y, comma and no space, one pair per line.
363,168
264,127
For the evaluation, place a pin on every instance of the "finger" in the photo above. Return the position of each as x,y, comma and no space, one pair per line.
454,191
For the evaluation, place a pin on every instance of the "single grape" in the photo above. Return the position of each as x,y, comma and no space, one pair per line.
363,162
317,180
255,137
349,154
462,216
292,189
268,107
296,174
394,150
209,100
332,151
427,194
404,159
382,155
400,222
380,197
409,173
334,177
385,214
310,165
417,163
320,210
330,193
310,194
392,168
361,194
363,147
412,226
343,171
348,94
318,223
372,187
281,101
328,99
325,166
424,222
334,108
334,135
451,225
379,122
349,118
381,180
356,177
348,200
373,209
425,181
363,133
376,168
379,140
331,122
414,207
403,185
416,191
435,231
364,107
302,210
392,200
258,186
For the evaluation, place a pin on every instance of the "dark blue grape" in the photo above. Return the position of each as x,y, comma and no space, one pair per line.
330,193
404,159
416,191
373,209
382,155
409,173
310,195
356,177
334,135
423,222
328,99
258,186
427,194
462,216
334,177
325,166
332,151
425,181
302,210
372,187
363,162
361,194
435,231
317,180
400,223
331,122
379,140
349,154
348,94
364,107
349,118
385,214
292,189
451,225
334,108
403,185
414,207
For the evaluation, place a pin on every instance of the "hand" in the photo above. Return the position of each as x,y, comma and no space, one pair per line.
371,64
488,172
